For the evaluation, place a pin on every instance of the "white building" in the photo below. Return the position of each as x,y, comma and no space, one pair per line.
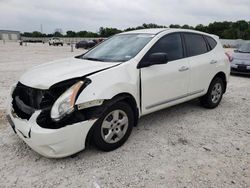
9,35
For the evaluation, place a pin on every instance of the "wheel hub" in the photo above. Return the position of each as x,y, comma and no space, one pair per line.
114,126
216,92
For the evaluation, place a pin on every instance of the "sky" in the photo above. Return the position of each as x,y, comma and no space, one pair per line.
90,15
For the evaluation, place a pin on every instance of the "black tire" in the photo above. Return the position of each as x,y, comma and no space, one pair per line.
98,139
208,100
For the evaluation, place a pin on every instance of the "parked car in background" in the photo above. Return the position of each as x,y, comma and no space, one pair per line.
55,41
99,40
33,40
98,97
240,59
85,44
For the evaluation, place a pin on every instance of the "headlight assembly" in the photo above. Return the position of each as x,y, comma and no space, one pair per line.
65,104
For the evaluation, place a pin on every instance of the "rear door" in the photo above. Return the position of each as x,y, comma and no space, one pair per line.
200,62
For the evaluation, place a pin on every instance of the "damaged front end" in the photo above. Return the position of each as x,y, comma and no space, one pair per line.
30,116
27,100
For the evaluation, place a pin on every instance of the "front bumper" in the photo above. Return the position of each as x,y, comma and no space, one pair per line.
239,66
51,143
240,69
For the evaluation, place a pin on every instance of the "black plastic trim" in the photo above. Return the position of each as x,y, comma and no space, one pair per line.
25,108
11,123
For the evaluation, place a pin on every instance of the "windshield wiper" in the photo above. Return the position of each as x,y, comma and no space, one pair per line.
93,59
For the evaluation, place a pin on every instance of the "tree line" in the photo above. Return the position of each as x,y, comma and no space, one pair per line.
225,30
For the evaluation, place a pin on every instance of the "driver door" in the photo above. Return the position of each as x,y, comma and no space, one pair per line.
166,84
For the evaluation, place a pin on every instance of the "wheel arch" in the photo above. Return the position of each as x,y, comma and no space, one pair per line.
126,97
221,75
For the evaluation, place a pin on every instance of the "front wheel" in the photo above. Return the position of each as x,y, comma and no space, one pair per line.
214,94
114,127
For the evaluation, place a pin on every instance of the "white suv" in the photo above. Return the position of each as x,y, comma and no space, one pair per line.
55,41
59,107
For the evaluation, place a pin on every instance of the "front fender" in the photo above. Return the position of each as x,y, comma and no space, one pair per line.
111,82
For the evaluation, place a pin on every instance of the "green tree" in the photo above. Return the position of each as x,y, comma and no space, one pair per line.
27,34
229,34
81,33
201,27
225,29
174,26
185,26
58,34
242,25
91,35
70,34
246,34
107,32
152,25
36,34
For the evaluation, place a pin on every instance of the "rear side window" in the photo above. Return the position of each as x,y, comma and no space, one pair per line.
195,44
212,43
170,44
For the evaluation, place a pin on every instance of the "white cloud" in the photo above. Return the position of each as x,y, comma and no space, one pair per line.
27,15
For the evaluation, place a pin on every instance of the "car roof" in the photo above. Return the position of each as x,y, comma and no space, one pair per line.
166,30
146,31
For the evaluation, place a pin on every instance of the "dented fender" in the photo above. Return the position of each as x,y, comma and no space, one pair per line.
106,84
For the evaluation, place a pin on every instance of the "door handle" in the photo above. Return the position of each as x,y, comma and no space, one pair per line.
183,68
213,62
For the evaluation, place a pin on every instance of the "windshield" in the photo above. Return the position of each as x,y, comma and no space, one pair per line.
245,48
119,48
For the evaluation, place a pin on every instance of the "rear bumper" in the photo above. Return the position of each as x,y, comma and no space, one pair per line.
51,143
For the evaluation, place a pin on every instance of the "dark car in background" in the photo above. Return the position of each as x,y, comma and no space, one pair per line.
85,44
240,59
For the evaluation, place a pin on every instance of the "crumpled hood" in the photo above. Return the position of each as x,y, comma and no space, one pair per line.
45,75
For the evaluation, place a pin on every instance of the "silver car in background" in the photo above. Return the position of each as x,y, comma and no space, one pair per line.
240,60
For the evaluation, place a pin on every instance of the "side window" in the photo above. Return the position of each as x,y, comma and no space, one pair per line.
195,44
212,43
170,44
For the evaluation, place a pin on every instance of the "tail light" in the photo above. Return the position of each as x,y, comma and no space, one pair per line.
230,58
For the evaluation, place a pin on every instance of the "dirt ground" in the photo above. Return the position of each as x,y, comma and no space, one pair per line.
182,146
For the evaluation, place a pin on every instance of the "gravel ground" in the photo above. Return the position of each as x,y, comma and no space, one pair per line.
182,146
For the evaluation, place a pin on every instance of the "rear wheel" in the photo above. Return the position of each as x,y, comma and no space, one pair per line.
214,94
114,127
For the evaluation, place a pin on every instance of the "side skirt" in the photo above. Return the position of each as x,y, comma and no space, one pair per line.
174,99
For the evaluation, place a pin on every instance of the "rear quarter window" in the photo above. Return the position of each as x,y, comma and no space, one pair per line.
195,44
211,42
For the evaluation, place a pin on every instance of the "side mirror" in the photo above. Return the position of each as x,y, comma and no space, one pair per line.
153,59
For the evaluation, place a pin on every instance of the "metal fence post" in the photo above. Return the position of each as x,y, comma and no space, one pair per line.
72,49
